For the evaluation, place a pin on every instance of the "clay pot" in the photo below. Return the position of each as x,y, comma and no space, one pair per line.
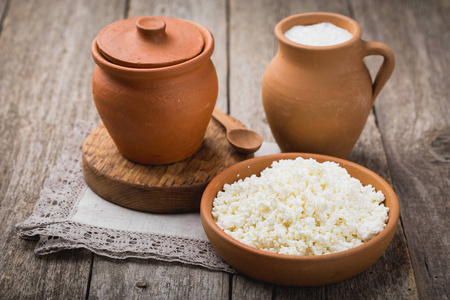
155,86
317,99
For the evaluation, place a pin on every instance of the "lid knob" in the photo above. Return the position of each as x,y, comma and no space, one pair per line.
153,28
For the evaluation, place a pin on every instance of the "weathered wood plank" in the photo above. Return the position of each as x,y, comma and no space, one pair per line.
146,279
244,287
169,280
252,46
246,70
413,117
45,79
301,293
3,4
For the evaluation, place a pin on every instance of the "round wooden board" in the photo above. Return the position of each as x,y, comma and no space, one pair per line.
172,188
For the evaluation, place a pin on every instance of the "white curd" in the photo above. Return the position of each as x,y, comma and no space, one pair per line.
301,207
321,34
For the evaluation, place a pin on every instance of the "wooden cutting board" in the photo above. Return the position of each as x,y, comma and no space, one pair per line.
172,188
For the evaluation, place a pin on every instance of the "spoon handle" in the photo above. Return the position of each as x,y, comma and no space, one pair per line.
226,120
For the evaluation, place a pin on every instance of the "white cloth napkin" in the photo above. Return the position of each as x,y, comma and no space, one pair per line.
70,215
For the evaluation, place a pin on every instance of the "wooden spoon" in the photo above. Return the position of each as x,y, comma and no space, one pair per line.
244,140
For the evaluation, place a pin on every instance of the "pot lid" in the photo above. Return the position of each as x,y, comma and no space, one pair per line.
150,42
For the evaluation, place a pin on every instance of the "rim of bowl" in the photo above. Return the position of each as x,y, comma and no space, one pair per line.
326,17
393,215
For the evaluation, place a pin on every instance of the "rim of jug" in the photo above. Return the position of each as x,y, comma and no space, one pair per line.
313,18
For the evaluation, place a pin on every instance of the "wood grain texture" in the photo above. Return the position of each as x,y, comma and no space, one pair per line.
45,75
3,5
413,118
169,280
140,279
170,188
301,293
244,287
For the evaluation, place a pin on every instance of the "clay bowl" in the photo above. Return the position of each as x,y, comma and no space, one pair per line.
289,269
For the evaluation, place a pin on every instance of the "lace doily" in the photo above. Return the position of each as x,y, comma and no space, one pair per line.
51,220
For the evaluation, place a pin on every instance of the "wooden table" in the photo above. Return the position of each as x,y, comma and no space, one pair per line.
46,69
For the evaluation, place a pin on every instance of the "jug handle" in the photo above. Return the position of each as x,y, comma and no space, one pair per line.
387,67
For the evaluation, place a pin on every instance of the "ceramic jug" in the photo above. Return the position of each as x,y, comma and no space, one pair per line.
317,99
155,86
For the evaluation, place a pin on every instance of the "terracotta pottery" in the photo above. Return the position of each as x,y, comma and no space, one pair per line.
290,269
155,86
317,99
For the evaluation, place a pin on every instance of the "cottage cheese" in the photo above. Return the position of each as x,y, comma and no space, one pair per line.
301,207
